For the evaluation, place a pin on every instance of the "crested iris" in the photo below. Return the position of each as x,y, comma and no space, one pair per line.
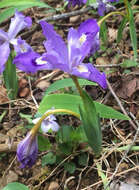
18,23
68,58
27,150
49,123
104,6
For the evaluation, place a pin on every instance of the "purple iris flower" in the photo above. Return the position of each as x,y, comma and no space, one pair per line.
49,123
76,2
104,6
18,23
27,150
68,58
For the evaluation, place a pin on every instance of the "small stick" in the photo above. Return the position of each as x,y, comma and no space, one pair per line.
56,17
5,147
67,15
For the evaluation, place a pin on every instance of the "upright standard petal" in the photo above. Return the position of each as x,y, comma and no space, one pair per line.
4,54
95,46
89,26
30,62
89,30
3,37
54,42
18,23
27,150
74,46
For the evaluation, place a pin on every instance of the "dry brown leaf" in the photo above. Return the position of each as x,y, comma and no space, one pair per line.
129,86
102,61
3,95
112,33
24,92
53,186
43,84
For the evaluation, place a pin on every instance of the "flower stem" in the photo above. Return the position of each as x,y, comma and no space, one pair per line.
75,80
126,6
110,14
36,127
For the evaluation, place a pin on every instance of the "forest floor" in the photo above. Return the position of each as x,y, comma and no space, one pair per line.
122,94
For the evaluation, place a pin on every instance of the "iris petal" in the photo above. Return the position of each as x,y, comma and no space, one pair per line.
3,37
4,54
27,62
54,42
18,23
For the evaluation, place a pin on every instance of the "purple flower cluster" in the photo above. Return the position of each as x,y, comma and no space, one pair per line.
18,23
68,57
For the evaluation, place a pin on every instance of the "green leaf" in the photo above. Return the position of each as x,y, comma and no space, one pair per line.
27,117
9,3
121,28
82,159
65,148
8,12
70,167
10,78
68,82
132,28
91,123
129,63
49,158
72,102
64,133
15,186
103,176
43,143
104,33
78,135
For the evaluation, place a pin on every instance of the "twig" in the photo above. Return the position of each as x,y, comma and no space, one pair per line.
67,181
67,15
119,103
31,92
5,147
108,65
56,17
126,152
